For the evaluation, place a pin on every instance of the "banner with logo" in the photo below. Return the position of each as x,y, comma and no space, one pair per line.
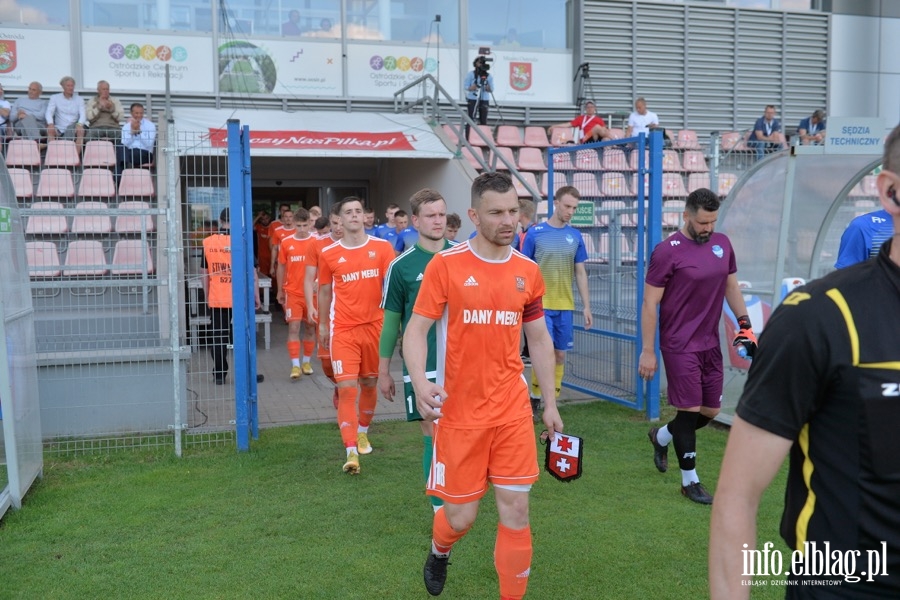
28,55
525,77
563,457
379,70
298,67
135,61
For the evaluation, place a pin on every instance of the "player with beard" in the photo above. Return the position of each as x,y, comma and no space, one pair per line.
690,273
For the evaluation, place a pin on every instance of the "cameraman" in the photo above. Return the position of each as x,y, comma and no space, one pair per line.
479,84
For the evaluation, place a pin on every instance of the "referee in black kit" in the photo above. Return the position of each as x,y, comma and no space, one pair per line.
824,387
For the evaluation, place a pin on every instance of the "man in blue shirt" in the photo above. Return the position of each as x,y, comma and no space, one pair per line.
812,129
383,229
863,238
401,222
369,221
478,85
767,135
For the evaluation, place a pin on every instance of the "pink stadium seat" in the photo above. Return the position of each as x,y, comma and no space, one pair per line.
43,259
131,257
695,162
626,254
56,183
586,184
612,210
673,186
732,140
687,140
633,161
131,223
560,136
543,208
99,153
91,223
531,159
85,257
451,133
23,153
476,140
559,180
563,161
672,211
594,255
136,182
508,135
48,224
496,163
726,182
61,153
616,134
587,160
470,156
856,191
521,190
614,160
536,137
22,183
671,162
602,254
634,185
612,185
697,181
96,183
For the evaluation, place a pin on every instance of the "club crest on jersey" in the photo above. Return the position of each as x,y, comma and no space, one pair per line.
371,254
570,239
717,250
520,284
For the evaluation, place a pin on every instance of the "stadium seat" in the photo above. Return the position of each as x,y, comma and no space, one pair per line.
633,161
587,160
508,135
470,155
560,136
602,253
559,180
56,183
543,208
673,186
49,224
22,182
131,223
43,259
85,258
634,185
131,257
694,162
614,160
726,182
586,184
99,153
23,153
536,137
671,163
91,223
61,153
531,159
521,190
496,163
601,215
563,161
672,212
136,183
697,181
451,133
612,211
476,140
627,256
612,185
96,183
616,134
856,191
687,140
593,252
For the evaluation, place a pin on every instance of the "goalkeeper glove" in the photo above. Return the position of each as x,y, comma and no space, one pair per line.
745,340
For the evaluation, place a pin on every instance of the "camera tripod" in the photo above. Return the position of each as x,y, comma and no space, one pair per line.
585,89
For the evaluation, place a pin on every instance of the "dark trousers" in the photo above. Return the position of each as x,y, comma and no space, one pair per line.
130,157
220,336
481,108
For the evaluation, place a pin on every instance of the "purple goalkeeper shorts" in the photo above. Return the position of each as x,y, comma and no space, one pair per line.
694,378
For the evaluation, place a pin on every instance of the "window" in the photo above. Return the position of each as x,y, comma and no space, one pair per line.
527,23
287,18
181,15
35,13
403,20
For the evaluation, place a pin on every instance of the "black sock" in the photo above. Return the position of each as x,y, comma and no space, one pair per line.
684,438
702,421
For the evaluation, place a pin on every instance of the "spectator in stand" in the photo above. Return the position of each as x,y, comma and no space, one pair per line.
104,114
479,85
5,127
138,141
369,220
453,225
645,121
812,129
592,127
65,114
29,114
292,27
388,225
766,135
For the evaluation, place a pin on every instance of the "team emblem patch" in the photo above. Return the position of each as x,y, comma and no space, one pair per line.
564,457
570,239
372,254
520,284
717,250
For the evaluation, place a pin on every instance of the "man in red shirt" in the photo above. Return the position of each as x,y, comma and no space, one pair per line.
591,126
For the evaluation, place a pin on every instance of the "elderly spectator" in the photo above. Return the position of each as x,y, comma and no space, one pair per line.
591,126
812,129
29,114
767,135
104,115
65,114
138,141
5,108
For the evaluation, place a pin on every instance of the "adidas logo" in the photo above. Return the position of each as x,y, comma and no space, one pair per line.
342,259
420,277
470,282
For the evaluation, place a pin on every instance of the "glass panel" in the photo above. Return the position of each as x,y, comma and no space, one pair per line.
181,15
314,18
529,23
403,20
35,13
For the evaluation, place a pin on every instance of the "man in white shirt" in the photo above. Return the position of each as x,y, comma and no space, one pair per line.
644,121
65,114
138,141
28,113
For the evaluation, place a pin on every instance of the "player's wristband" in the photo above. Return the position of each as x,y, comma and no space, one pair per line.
744,322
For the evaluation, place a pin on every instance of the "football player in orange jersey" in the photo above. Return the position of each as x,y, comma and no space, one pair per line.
291,274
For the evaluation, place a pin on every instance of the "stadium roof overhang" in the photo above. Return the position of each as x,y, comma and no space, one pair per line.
310,134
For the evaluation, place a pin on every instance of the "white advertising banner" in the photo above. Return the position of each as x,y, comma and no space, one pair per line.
136,61
379,70
28,55
297,67
854,135
526,77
